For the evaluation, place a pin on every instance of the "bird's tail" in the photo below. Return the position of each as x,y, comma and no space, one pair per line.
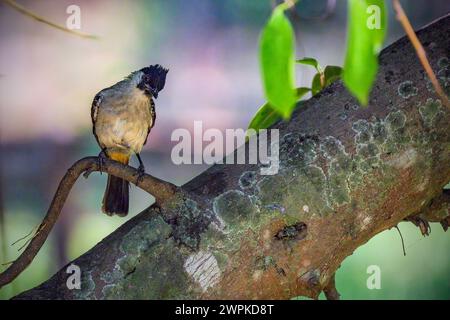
115,200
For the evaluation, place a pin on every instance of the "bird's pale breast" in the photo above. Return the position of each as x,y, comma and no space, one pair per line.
123,121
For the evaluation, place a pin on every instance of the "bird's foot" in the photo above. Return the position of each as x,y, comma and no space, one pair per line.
101,160
100,163
140,174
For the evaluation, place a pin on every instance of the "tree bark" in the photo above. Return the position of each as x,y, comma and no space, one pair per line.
346,174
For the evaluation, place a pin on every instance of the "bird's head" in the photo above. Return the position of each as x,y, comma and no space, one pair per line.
152,79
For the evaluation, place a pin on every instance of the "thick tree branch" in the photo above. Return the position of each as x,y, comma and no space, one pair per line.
346,174
161,190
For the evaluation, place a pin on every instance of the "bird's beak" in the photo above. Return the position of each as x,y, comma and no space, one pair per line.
154,93
149,89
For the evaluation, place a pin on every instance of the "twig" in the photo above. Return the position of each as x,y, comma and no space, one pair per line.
161,190
25,236
34,16
3,238
330,290
7,263
421,54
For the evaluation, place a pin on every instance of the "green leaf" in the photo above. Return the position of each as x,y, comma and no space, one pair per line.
300,92
365,35
316,87
332,73
267,115
311,62
264,117
277,61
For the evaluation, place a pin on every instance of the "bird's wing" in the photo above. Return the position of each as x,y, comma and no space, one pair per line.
152,113
94,107
94,112
152,117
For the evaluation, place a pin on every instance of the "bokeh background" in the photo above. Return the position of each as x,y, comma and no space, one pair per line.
48,79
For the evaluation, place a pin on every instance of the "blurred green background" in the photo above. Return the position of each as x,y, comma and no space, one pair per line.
48,80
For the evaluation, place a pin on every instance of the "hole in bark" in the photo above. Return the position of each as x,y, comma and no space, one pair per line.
295,231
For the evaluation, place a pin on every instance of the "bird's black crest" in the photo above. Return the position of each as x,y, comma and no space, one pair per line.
156,76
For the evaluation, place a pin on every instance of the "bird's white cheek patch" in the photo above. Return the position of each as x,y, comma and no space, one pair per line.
203,267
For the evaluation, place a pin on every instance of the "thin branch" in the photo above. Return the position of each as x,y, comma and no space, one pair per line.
34,16
161,190
401,237
421,54
330,290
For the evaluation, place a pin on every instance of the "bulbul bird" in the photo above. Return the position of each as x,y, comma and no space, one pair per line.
122,117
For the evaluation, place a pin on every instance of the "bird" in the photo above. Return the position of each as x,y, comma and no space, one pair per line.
122,118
